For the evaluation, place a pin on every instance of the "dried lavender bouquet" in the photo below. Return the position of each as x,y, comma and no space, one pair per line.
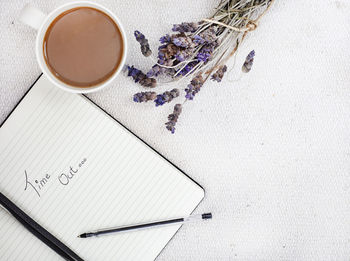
198,50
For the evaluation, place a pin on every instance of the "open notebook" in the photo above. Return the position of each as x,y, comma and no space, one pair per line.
73,169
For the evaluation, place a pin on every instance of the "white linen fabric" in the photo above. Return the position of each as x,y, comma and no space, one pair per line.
271,148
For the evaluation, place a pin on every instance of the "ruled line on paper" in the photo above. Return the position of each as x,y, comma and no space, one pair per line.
38,121
27,122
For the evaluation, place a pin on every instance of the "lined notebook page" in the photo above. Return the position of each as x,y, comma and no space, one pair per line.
74,169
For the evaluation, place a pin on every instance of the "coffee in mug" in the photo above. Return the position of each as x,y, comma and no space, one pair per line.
83,47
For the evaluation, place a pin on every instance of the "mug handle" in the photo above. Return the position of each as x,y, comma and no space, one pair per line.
32,16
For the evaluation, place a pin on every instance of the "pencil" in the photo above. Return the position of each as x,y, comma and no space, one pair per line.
135,227
38,230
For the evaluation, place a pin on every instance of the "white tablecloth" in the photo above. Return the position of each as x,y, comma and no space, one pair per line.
271,149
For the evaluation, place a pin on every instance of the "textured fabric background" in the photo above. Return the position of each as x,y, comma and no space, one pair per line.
272,149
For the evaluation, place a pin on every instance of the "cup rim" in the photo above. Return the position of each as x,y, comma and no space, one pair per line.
40,55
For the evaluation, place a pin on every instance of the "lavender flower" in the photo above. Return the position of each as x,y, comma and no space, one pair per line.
203,56
198,39
183,54
141,78
219,74
154,71
207,36
145,49
183,40
194,87
161,57
166,53
248,63
144,96
134,73
187,69
170,125
165,39
166,97
157,69
198,49
185,27
148,82
171,50
205,53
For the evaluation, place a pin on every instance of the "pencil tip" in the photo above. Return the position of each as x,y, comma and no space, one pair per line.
79,236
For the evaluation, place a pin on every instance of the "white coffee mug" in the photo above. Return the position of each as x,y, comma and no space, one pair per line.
40,21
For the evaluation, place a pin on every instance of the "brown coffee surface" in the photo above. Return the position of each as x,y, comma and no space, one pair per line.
83,47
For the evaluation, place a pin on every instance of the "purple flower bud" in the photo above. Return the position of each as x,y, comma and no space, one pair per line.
167,96
198,39
139,36
133,72
144,96
148,82
248,63
183,54
145,49
180,57
182,41
185,27
219,74
189,93
194,87
186,70
165,39
204,55
141,78
161,58
162,46
155,71
207,36
206,52
170,125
